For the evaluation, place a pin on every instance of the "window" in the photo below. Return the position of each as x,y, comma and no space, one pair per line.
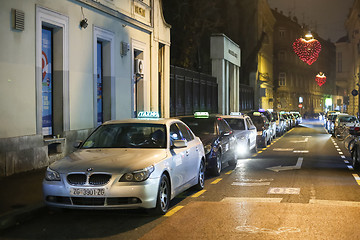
339,62
282,79
104,83
282,33
174,133
52,90
185,132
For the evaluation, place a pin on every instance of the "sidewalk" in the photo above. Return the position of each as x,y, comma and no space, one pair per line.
20,197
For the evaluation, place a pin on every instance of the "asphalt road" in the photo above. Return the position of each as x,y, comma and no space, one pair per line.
299,187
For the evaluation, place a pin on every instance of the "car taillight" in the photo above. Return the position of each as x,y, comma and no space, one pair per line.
356,129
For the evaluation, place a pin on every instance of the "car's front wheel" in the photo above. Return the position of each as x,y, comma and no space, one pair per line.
218,164
355,160
163,196
201,176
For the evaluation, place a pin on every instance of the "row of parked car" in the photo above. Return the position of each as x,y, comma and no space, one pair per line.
147,161
336,123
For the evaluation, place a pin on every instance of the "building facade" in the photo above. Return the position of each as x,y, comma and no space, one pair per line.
351,55
71,65
295,85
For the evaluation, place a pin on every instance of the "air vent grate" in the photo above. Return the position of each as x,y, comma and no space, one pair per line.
18,19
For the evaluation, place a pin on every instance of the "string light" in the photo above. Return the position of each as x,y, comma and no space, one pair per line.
307,48
320,78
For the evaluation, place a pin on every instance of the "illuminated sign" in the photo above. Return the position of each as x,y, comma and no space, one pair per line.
328,102
145,114
201,114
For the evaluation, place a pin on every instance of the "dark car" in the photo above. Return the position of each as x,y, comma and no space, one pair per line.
264,133
218,139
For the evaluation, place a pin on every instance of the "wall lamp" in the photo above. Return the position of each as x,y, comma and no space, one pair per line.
84,21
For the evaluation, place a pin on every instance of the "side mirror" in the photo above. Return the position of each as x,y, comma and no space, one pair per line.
179,143
77,144
252,128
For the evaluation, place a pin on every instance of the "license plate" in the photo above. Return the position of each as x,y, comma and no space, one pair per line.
87,191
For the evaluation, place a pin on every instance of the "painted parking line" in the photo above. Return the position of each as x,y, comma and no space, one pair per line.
195,195
216,181
346,161
229,172
341,153
173,211
350,167
357,178
342,156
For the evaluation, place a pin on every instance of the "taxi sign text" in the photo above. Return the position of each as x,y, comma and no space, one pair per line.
146,114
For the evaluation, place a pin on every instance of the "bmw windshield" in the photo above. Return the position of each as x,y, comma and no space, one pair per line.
126,135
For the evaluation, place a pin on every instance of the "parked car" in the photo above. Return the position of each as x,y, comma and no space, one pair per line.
354,147
134,163
272,121
343,122
280,123
288,120
244,131
298,117
330,122
218,139
263,128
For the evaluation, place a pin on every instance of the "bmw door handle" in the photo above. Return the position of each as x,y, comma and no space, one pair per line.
197,149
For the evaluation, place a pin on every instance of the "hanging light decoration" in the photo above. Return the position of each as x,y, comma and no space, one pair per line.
320,78
307,48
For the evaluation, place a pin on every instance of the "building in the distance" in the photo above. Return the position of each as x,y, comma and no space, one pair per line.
69,65
295,88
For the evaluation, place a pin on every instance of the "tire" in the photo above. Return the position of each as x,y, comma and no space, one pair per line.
201,176
217,169
163,196
355,162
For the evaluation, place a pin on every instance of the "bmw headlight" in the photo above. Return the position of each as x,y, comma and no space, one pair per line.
51,175
137,176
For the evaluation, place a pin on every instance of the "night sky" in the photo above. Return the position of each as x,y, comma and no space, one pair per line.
326,17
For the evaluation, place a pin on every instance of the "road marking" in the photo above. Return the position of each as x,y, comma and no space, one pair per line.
216,181
346,161
173,211
301,151
350,167
357,178
260,152
249,184
283,168
338,149
283,149
280,230
335,203
342,156
229,172
341,153
195,195
283,191
245,199
301,141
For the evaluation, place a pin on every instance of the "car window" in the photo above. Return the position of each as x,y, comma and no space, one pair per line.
174,133
236,123
200,126
258,122
249,122
128,135
185,132
223,126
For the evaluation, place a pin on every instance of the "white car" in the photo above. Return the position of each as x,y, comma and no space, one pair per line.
244,131
134,163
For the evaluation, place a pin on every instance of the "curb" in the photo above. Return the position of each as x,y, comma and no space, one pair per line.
18,216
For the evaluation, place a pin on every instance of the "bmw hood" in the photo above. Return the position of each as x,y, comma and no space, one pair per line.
109,160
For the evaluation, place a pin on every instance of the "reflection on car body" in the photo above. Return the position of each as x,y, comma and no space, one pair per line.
134,163
217,137
244,131
263,130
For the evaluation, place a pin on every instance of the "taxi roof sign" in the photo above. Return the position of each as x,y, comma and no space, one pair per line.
147,114
201,114
236,113
257,114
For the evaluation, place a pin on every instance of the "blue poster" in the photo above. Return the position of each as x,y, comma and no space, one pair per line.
99,85
46,82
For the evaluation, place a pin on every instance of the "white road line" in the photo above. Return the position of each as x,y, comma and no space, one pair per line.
245,199
335,203
350,167
342,156
346,161
341,153
249,184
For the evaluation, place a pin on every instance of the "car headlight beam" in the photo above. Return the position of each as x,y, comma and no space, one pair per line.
51,175
137,176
